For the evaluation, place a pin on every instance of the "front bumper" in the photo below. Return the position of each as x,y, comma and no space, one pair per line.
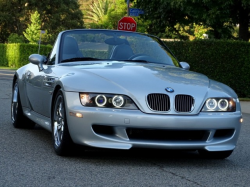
118,122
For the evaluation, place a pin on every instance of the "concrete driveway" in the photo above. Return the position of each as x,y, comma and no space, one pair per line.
245,106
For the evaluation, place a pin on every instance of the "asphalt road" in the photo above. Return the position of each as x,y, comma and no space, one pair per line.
27,158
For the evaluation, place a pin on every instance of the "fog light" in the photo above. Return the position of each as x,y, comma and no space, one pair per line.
78,115
241,120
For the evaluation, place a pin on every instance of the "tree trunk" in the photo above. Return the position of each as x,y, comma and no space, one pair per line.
243,23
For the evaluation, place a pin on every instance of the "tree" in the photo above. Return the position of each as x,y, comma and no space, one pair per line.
56,15
219,15
32,33
15,38
98,10
109,13
242,14
117,10
162,15
222,16
12,18
59,15
191,31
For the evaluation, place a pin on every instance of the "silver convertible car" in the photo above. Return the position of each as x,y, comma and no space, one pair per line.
123,90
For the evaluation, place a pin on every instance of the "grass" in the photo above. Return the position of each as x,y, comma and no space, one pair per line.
10,68
244,99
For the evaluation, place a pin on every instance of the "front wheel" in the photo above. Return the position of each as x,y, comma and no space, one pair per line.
19,120
215,154
61,137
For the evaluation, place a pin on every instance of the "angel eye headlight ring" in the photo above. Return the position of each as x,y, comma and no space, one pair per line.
117,100
211,104
100,100
223,104
106,100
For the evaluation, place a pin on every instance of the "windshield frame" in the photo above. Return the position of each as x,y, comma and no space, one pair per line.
118,33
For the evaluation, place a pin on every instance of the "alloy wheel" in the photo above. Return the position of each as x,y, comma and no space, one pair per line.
58,125
14,104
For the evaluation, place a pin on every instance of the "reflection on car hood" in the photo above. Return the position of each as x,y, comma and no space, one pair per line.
130,75
137,80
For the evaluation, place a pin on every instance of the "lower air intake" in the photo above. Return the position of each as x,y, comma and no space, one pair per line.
167,135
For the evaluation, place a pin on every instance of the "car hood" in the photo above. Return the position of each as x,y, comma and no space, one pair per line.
137,80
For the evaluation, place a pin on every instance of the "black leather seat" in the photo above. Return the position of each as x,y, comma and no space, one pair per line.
121,52
71,48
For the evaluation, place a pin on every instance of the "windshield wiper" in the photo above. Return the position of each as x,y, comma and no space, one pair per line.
80,59
145,61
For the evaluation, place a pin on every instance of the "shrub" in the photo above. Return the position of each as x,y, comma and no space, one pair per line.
3,58
15,38
26,50
224,61
16,55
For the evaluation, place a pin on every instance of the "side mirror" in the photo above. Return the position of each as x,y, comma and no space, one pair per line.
184,65
37,60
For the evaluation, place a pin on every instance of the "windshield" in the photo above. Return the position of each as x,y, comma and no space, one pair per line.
89,45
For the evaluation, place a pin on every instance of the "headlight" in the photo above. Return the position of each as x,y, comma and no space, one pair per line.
118,101
219,105
211,104
107,101
100,100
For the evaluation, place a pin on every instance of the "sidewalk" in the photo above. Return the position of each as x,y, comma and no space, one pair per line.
245,106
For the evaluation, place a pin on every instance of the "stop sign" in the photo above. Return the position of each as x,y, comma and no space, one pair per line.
127,24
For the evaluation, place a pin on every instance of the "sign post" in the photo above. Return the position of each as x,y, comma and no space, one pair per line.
128,6
41,32
127,24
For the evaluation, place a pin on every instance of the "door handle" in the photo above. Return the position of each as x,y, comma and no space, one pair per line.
28,74
48,84
48,81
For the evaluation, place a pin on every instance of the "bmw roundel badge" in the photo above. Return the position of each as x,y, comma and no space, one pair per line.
168,89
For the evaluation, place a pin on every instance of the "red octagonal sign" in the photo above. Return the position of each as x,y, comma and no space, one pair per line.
127,24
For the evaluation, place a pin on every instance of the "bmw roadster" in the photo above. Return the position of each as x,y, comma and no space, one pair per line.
119,90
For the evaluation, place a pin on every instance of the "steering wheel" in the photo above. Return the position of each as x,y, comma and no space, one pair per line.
138,55
142,57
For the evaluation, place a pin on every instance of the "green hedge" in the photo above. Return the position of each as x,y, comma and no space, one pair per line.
224,61
3,57
16,55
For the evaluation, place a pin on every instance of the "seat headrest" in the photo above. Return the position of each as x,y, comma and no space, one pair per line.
70,45
122,52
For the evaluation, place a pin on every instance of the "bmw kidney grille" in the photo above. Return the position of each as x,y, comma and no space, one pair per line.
184,103
161,102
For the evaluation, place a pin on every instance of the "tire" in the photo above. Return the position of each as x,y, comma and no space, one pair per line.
215,154
63,144
19,120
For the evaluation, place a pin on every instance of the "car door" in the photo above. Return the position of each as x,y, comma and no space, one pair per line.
39,88
47,89
34,79
40,84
